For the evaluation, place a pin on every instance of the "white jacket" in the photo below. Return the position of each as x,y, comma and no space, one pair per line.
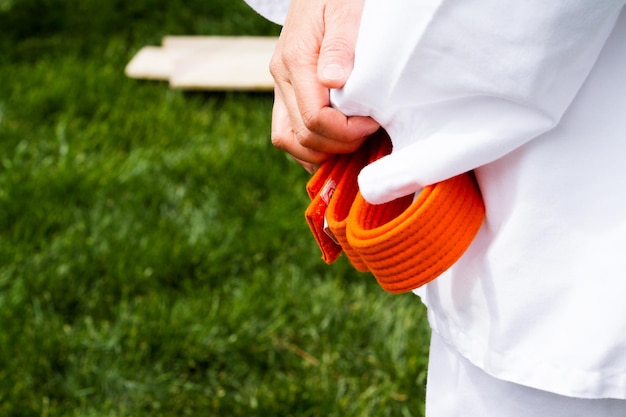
531,95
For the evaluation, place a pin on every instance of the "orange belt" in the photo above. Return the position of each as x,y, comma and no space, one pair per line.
404,243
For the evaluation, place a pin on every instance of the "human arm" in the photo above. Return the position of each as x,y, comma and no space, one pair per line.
315,53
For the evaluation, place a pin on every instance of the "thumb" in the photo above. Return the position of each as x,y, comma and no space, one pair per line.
336,57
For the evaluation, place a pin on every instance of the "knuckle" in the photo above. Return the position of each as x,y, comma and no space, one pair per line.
307,139
278,141
283,58
337,47
273,66
276,66
311,120
303,136
281,61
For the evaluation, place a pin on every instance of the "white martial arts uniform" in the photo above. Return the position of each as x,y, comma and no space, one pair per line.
531,95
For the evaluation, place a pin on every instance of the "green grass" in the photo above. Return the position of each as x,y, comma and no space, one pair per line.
154,258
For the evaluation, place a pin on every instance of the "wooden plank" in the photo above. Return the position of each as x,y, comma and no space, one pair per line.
152,63
207,62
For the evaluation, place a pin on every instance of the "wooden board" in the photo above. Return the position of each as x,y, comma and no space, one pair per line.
207,62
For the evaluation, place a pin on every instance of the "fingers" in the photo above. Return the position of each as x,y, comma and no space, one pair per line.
291,134
336,58
304,123
308,167
306,118
284,137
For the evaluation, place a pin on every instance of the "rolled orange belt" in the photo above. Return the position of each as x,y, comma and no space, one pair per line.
404,243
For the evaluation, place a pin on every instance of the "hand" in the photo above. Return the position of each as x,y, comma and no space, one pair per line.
315,52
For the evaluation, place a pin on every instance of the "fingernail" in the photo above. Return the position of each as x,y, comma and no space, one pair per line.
310,168
334,72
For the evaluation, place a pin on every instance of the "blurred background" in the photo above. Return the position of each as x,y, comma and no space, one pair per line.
154,257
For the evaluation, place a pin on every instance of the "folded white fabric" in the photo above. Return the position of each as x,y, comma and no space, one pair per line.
458,84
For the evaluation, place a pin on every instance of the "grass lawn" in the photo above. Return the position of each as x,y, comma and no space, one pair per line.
154,258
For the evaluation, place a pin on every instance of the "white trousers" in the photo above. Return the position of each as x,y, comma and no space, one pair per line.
457,388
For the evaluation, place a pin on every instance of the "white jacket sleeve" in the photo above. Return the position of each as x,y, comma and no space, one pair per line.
272,10
460,83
